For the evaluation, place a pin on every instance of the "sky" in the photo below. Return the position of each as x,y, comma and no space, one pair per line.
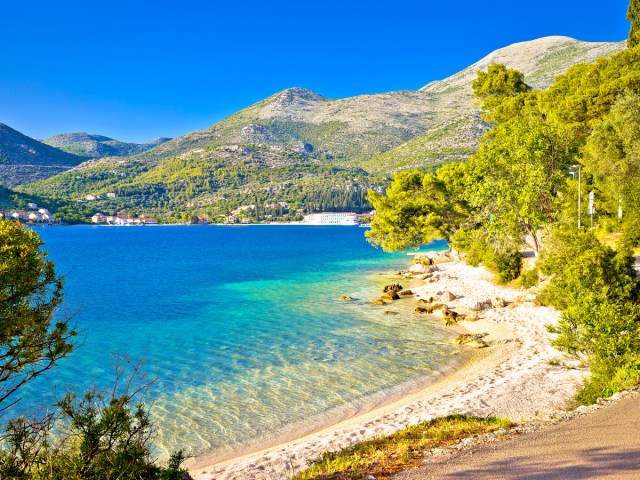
138,70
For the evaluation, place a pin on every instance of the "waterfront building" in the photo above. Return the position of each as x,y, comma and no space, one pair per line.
332,218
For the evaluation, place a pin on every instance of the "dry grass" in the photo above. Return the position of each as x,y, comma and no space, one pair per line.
385,456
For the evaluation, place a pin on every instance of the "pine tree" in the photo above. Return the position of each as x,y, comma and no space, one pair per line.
633,15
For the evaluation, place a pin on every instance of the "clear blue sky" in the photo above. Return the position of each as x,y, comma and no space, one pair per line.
136,70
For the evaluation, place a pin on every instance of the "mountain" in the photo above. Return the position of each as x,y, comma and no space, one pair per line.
311,151
24,160
98,146
455,138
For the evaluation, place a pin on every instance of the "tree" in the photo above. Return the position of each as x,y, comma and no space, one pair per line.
33,337
633,15
500,89
514,180
418,208
612,157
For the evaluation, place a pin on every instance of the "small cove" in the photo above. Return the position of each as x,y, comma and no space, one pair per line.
240,326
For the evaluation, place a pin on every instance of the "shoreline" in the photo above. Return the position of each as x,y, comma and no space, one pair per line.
511,378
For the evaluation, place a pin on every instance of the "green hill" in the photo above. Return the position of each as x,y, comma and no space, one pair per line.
24,160
98,146
311,151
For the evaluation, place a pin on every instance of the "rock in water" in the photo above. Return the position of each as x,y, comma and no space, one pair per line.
378,301
425,310
394,287
345,298
450,317
391,295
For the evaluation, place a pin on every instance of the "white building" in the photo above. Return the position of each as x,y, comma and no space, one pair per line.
111,195
332,218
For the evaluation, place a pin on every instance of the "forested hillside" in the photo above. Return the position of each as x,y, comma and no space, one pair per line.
306,150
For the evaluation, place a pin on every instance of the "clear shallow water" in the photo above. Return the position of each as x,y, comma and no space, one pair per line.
240,325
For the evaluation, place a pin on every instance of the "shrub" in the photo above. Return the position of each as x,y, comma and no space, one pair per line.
530,278
597,290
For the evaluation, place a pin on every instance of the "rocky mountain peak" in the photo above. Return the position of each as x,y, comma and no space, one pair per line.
540,60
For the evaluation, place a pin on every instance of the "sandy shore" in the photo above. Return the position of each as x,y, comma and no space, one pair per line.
511,378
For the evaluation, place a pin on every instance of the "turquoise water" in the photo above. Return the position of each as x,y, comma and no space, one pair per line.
240,326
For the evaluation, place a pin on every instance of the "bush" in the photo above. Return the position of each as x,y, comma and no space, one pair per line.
506,266
530,278
597,290
101,435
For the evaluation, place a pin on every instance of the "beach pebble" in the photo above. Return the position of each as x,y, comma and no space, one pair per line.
419,268
448,296
498,302
482,306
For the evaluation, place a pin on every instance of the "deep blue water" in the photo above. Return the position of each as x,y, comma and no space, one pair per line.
240,326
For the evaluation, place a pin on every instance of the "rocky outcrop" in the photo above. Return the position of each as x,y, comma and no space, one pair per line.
450,317
473,341
390,295
482,306
394,287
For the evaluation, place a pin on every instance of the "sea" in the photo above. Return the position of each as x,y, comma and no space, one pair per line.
239,328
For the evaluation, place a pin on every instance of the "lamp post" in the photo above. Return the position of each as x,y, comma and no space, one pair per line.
573,173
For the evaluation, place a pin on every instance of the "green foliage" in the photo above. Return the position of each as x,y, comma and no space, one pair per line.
496,86
418,208
597,290
506,265
580,264
515,178
32,337
612,157
585,94
99,436
209,184
633,15
529,278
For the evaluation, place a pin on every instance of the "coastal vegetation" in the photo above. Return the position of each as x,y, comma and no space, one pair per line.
95,435
386,455
520,191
